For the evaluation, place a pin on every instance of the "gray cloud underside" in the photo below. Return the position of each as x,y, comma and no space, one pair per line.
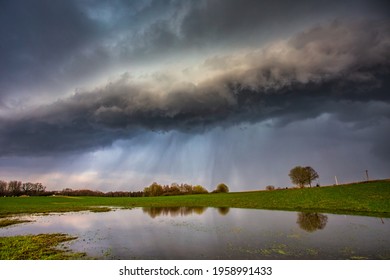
315,72
47,45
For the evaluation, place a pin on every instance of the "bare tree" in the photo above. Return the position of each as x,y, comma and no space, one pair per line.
302,176
3,188
15,188
311,174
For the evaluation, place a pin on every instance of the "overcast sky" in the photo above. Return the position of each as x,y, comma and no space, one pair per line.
114,95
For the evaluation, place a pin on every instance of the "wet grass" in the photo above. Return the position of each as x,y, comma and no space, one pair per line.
36,247
9,222
367,199
99,209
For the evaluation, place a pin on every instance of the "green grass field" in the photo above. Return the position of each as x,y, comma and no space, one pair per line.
369,199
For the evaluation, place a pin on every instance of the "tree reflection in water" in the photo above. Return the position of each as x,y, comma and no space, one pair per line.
223,210
173,211
180,211
311,221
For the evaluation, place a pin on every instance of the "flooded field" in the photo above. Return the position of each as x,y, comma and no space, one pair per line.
215,233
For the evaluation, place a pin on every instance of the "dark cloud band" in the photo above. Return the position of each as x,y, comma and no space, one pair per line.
298,78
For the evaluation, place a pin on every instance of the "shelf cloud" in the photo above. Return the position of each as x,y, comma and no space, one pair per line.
78,78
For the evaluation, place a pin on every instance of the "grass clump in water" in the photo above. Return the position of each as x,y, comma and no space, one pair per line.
99,209
9,222
36,247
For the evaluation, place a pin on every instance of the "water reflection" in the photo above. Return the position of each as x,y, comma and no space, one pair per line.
223,210
215,233
154,212
311,222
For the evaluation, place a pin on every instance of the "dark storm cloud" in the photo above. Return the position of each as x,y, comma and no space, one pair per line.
36,37
228,20
48,47
191,26
312,73
52,45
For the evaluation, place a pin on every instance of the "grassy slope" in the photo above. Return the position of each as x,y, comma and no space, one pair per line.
371,199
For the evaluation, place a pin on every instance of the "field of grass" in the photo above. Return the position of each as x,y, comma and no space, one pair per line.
369,199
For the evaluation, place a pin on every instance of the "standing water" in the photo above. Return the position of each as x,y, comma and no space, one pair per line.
215,233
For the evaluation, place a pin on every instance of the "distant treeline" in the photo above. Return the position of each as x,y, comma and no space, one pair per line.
156,189
86,192
18,188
